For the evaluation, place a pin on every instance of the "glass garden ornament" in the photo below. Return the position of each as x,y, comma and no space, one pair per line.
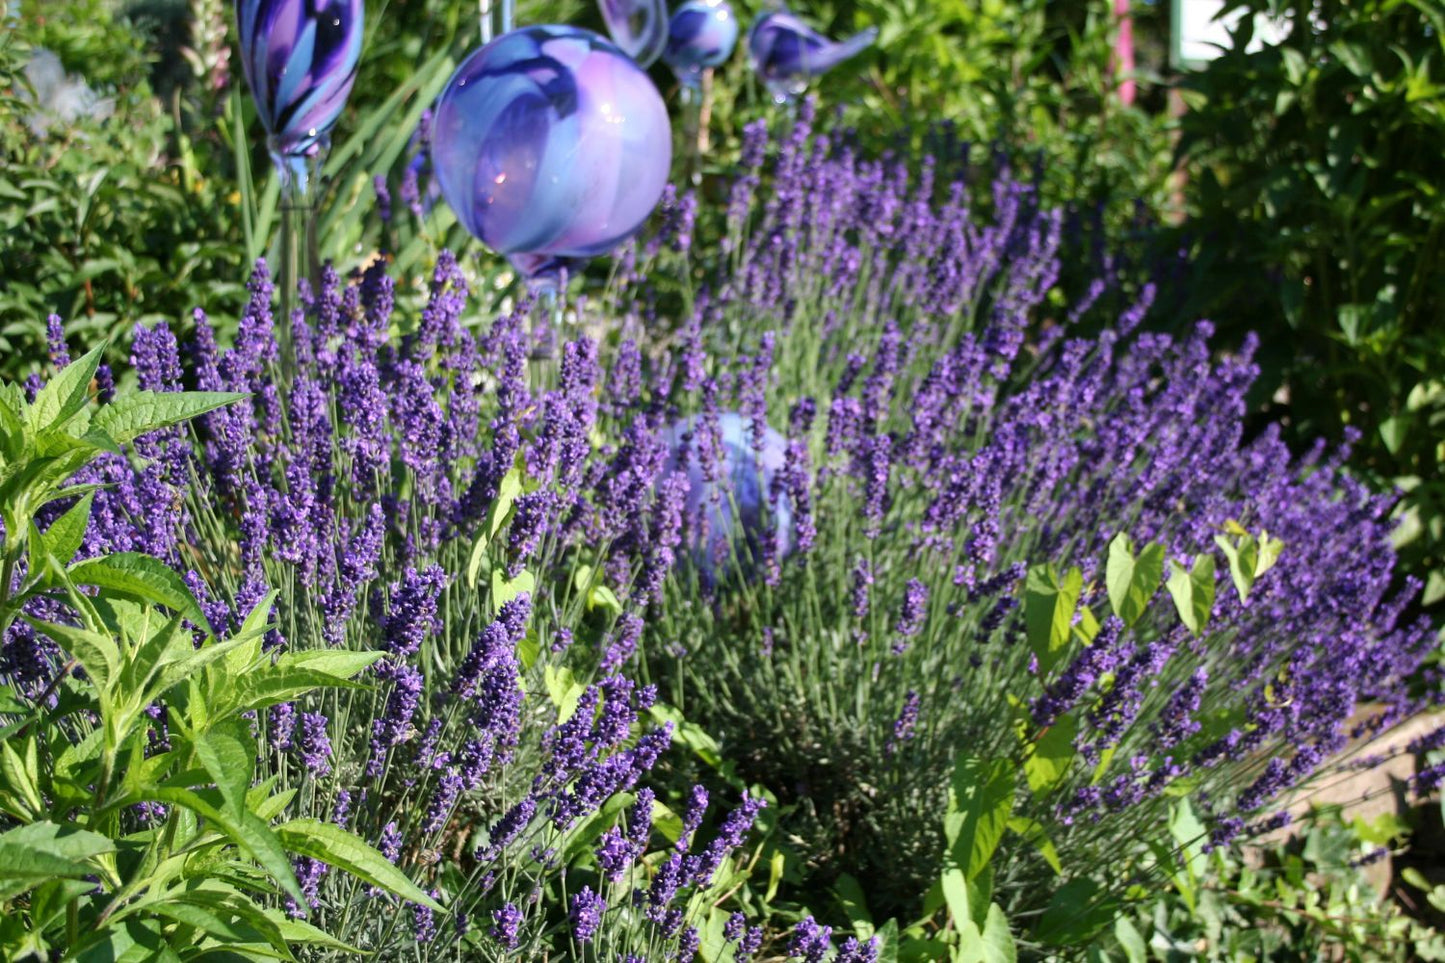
639,27
787,53
700,37
736,511
552,146
299,58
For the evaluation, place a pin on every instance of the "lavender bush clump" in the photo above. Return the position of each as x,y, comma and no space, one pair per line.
421,499
972,461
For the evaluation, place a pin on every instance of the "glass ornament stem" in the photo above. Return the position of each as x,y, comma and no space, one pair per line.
507,18
300,173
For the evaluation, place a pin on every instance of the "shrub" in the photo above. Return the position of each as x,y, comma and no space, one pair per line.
952,451
1314,220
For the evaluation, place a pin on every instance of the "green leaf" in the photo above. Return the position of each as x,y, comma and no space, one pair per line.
34,854
64,536
132,415
980,799
563,689
65,394
1053,754
504,591
1049,606
337,663
1193,592
246,829
97,654
144,577
1130,941
507,491
998,939
1243,555
1132,581
854,903
1077,912
229,755
335,846
955,894
274,684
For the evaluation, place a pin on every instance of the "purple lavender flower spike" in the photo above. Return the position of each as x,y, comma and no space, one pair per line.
639,27
700,36
300,59
787,53
742,483
550,143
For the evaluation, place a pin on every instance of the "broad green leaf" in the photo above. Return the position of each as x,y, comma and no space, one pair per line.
335,846
217,921
1130,941
563,689
998,939
14,429
21,775
980,799
229,755
474,564
245,829
1243,555
504,590
300,932
145,577
507,491
1190,835
1132,581
1269,551
134,414
955,894
1077,912
1193,592
1049,605
337,663
854,902
97,654
34,854
1053,754
275,684
64,536
66,393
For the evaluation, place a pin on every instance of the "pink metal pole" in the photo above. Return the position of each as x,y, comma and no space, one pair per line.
1124,52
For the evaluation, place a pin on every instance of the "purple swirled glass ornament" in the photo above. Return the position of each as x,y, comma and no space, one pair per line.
638,27
787,53
300,58
736,505
700,36
551,144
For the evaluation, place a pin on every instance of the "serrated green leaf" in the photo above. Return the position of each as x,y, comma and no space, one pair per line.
336,847
66,534
229,755
142,576
65,394
245,829
139,412
97,654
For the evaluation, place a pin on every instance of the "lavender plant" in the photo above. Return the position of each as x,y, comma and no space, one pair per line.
418,498
959,468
